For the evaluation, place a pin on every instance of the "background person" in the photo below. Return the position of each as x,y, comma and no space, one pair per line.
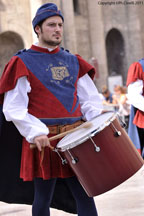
108,99
120,99
135,83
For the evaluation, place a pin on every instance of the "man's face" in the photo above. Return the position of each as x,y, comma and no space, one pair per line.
51,31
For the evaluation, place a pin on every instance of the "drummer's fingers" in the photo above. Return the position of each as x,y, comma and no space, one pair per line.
51,147
47,143
38,145
41,141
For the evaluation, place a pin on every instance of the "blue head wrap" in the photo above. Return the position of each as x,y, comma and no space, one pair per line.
45,11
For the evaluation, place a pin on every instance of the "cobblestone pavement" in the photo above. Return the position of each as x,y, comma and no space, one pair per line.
124,200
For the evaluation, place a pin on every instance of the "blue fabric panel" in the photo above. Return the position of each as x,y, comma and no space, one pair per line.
141,61
56,75
132,130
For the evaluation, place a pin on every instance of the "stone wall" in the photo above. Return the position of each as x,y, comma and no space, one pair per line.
127,19
15,28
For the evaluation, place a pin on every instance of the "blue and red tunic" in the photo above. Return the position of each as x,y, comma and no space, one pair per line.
53,78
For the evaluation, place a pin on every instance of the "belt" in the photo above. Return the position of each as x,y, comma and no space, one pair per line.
56,129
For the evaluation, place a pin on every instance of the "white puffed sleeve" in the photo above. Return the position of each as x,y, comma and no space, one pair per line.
15,109
90,100
134,94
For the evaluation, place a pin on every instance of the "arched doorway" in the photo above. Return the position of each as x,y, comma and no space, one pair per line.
115,49
10,43
76,7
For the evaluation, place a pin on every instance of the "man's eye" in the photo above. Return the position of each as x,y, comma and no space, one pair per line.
52,24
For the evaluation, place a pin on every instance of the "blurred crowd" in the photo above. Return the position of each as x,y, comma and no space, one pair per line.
117,101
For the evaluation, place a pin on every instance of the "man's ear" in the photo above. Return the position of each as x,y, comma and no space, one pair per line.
37,29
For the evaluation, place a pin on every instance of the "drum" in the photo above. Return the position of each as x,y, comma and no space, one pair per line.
102,156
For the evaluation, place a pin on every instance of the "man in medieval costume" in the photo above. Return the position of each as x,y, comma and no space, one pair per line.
43,91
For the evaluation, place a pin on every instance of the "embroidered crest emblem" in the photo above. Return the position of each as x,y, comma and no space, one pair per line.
59,73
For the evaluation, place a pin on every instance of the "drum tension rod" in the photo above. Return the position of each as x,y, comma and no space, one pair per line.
64,161
97,148
116,133
122,123
74,160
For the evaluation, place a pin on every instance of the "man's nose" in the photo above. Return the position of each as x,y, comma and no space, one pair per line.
58,28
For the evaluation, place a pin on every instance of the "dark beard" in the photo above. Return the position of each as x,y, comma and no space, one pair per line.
52,43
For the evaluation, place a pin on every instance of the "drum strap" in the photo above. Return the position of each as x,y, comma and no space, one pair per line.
56,129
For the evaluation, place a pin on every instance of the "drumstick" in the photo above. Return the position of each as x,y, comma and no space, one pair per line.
84,125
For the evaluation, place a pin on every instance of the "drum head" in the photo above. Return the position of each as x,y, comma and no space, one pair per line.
83,133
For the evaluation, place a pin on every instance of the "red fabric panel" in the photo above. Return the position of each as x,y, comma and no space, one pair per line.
51,167
12,71
85,67
135,72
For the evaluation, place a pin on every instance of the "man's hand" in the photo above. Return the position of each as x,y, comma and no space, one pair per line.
42,141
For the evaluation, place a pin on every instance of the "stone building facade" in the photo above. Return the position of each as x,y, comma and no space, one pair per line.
108,34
